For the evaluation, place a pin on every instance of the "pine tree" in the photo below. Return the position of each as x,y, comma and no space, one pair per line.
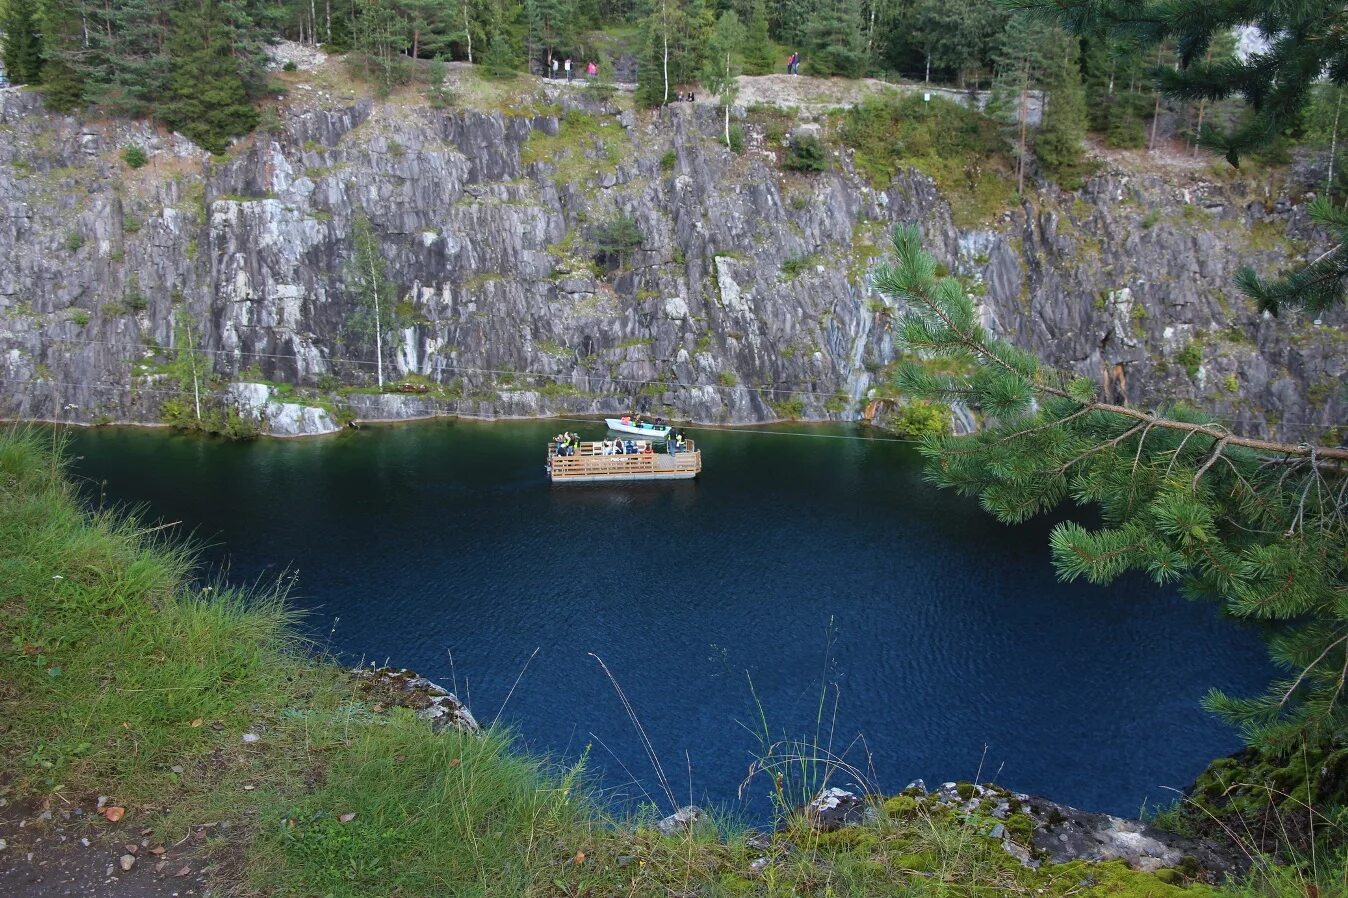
833,40
1256,525
550,29
381,32
208,101
138,62
1114,70
956,36
504,56
758,56
1024,58
1058,143
22,45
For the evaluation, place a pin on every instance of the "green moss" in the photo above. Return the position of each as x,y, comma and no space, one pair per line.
901,806
728,379
965,790
792,409
583,146
920,862
1191,357
795,266
478,281
1020,827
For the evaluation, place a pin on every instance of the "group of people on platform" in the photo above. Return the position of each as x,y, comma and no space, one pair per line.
591,69
568,443
625,447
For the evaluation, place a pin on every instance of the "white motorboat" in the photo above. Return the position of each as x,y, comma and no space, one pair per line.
644,429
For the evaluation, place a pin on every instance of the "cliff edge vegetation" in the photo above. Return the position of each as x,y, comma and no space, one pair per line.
185,723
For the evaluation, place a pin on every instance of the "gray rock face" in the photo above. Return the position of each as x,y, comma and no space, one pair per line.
1058,833
682,820
747,299
282,419
834,808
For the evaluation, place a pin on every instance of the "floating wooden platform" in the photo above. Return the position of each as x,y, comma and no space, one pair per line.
590,465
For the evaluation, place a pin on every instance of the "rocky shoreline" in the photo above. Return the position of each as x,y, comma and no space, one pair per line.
1032,829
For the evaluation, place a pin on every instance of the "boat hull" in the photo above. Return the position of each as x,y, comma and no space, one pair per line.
650,432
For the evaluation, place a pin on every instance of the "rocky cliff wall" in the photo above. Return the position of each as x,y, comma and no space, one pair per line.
747,299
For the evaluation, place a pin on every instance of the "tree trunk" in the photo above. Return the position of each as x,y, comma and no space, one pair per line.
870,32
1334,141
1156,110
664,20
468,32
927,78
1024,123
378,328
327,14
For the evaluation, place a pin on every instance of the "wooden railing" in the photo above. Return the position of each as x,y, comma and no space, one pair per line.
589,462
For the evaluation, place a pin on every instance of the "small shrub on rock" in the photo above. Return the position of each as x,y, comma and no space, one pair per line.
806,154
134,156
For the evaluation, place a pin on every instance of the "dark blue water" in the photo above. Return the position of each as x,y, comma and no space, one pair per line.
794,561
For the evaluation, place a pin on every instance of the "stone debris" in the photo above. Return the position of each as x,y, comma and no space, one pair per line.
1059,833
431,701
682,820
302,56
834,808
127,861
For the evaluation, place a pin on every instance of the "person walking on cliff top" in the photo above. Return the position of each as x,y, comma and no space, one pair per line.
567,65
591,70
554,68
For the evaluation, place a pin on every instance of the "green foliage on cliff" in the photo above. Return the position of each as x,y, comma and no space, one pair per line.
958,148
920,420
195,405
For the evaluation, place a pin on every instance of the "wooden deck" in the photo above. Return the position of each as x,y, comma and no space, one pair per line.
589,465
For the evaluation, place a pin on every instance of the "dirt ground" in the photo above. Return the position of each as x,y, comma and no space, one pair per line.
52,852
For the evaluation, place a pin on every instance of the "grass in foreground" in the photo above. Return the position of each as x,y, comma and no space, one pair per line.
122,676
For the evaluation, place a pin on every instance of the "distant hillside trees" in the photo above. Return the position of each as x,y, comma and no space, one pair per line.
22,45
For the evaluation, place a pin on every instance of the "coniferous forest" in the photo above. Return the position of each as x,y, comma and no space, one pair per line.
199,67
